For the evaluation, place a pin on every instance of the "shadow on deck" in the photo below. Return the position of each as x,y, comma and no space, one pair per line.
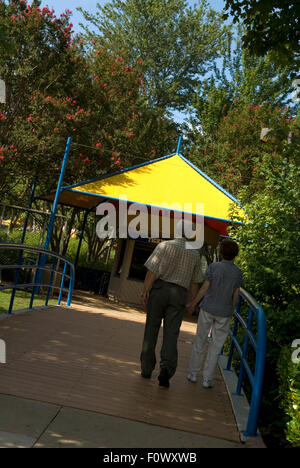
87,357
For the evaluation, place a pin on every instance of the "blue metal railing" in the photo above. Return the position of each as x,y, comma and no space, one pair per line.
259,344
67,274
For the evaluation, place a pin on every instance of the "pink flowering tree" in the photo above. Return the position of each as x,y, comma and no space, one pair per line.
57,88
38,60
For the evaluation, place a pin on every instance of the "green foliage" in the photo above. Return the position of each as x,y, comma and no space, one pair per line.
41,63
271,233
289,391
33,239
241,78
6,44
41,52
231,107
233,152
270,26
270,260
175,43
55,90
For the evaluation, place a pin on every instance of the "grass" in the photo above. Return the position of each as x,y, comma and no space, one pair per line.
33,239
22,300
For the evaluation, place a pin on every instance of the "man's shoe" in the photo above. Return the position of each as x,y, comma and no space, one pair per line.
145,376
163,378
192,377
207,383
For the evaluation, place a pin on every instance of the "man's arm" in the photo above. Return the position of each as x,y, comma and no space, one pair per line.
152,265
149,280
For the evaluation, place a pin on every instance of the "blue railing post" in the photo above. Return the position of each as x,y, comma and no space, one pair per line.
71,286
62,284
259,346
258,375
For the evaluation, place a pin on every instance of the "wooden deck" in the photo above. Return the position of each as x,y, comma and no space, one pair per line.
87,357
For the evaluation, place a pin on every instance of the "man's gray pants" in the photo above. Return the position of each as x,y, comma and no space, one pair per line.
166,302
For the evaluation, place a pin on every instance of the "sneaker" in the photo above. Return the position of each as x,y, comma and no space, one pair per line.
163,378
192,377
207,383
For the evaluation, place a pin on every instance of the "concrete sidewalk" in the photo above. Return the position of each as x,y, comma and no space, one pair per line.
32,424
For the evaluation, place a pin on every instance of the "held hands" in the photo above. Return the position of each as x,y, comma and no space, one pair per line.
190,307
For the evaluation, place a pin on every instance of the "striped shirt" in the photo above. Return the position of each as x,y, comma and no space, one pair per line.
171,261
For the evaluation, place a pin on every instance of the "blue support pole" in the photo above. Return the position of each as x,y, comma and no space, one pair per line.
58,191
20,257
179,145
53,211
258,376
71,285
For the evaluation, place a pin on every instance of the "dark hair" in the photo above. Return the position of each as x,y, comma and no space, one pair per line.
229,249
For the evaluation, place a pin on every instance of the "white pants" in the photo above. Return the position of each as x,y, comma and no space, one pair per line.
219,327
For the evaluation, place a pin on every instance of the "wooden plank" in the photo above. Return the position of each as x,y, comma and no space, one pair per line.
88,358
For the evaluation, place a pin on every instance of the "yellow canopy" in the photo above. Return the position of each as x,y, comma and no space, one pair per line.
172,180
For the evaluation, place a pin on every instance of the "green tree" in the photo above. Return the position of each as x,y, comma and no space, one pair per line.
40,61
271,26
233,153
111,128
6,41
174,43
93,98
270,259
240,77
231,107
